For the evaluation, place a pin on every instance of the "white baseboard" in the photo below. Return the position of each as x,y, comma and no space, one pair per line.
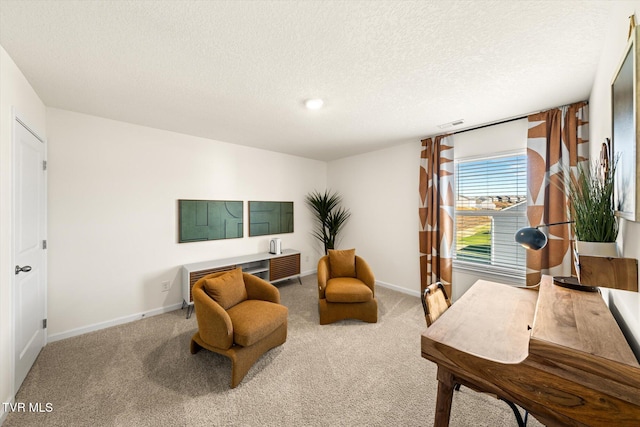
126,319
114,322
161,310
399,289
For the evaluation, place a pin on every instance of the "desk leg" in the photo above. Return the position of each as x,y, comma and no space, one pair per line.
445,396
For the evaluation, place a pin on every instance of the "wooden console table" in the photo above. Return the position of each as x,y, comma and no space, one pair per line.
270,267
557,353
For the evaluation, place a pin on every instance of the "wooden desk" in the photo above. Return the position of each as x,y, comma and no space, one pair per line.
557,353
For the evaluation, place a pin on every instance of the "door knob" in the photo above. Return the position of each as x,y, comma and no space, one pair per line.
25,269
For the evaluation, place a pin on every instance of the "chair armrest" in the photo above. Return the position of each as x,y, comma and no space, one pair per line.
260,289
214,324
323,275
364,273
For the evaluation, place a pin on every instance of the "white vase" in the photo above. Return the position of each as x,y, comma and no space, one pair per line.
604,249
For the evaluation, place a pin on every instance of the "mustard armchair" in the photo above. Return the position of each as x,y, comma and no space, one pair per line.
239,316
346,288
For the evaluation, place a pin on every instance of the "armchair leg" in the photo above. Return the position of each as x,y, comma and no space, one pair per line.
194,347
333,312
243,358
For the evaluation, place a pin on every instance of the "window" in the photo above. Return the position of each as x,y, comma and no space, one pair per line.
491,205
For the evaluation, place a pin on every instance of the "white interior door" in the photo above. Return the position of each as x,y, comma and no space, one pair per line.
28,253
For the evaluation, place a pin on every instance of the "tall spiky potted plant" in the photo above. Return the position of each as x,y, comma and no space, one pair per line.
330,216
592,210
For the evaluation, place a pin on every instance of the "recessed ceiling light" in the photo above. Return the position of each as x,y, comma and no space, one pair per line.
314,104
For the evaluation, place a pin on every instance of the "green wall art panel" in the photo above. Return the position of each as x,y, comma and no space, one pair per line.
209,220
270,218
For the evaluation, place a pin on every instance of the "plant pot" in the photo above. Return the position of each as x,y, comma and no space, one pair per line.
605,249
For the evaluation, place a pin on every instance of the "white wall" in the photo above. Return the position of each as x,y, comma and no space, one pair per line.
16,92
381,190
625,304
113,191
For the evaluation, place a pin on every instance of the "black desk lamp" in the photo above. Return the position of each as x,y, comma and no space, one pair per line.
534,239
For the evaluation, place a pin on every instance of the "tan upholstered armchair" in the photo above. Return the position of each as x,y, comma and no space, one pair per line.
346,288
239,316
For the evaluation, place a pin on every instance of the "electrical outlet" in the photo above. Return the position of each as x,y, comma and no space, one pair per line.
165,286
306,259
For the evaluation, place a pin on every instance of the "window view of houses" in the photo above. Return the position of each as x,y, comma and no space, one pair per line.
490,208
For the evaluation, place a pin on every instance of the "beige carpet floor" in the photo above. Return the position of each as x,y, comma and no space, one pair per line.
345,374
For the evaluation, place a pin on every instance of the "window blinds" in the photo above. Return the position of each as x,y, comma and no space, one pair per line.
491,204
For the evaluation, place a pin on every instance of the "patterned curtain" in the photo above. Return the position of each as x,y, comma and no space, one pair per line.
437,205
557,141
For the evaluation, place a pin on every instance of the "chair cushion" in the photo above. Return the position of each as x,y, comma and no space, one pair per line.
347,289
342,263
255,319
227,289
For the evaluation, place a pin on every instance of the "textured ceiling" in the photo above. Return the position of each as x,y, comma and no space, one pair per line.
239,71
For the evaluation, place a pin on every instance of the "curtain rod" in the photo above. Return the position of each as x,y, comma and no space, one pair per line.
513,119
510,120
